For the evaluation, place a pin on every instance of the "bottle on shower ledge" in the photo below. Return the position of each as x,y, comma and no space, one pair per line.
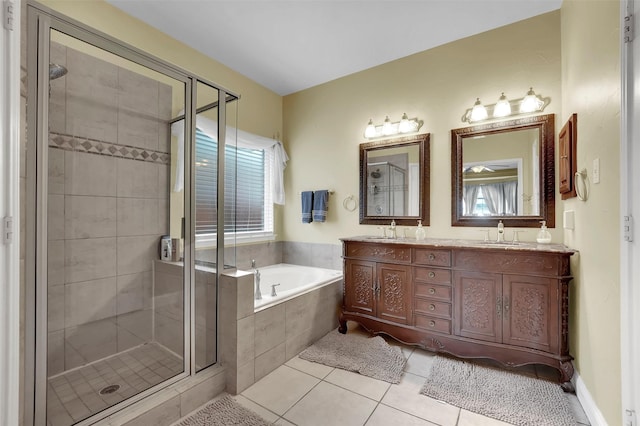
420,233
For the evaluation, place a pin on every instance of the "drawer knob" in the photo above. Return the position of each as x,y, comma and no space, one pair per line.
432,290
432,256
432,307
432,323
432,274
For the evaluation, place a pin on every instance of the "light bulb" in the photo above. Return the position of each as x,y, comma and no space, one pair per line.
478,112
370,131
530,103
387,128
405,125
502,108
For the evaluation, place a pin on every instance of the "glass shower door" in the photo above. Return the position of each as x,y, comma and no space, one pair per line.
115,299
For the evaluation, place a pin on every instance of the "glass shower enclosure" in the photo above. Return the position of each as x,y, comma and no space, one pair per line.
119,299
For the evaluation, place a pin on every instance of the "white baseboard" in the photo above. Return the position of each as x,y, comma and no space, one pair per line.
588,404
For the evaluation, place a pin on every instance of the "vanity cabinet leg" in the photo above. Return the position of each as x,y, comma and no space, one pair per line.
342,328
566,372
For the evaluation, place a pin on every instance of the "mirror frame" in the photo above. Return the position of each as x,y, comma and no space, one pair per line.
546,127
422,141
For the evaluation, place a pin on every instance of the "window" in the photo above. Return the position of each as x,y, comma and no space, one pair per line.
248,201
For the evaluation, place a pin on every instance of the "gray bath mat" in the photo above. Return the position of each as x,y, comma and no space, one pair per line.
501,394
369,356
223,412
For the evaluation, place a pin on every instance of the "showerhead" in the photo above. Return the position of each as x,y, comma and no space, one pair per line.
56,71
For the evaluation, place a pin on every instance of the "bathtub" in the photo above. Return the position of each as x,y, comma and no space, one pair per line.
293,280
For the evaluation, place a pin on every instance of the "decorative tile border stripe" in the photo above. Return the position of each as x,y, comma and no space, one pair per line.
92,146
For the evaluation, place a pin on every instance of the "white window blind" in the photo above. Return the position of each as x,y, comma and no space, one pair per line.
248,198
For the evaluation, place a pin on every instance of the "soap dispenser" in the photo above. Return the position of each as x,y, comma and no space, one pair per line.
420,234
544,237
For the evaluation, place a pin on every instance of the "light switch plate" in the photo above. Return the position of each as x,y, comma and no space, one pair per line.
596,170
569,219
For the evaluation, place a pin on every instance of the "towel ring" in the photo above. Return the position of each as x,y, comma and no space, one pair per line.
349,203
581,176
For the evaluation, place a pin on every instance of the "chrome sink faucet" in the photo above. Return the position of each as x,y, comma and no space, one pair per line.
500,238
392,229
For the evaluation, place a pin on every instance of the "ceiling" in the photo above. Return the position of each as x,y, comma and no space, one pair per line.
291,45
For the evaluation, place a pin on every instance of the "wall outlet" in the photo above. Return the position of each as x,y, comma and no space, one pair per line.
596,170
569,219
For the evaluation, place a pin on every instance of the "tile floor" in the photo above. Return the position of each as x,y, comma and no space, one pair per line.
308,394
75,395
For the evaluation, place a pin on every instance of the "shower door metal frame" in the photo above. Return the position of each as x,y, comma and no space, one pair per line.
40,21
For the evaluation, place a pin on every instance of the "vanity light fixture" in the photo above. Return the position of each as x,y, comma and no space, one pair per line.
370,131
531,102
504,107
478,112
389,128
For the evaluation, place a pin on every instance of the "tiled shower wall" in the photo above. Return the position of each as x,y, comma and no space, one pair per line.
108,206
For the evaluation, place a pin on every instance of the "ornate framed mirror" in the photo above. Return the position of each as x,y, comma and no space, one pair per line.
504,171
394,181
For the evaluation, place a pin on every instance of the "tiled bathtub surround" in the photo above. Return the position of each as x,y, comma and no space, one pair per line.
106,209
320,255
254,344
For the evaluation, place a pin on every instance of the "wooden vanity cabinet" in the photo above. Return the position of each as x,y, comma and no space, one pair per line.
508,305
379,289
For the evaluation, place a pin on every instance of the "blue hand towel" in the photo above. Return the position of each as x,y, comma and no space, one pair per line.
307,203
320,203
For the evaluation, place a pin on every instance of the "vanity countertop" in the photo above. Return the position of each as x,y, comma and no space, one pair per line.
460,243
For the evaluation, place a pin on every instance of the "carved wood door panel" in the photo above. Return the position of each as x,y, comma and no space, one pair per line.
477,306
359,295
531,312
394,294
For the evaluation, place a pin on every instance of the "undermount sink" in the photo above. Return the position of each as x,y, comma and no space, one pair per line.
378,237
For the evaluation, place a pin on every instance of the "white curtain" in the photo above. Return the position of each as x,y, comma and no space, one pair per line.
244,140
501,198
510,198
470,198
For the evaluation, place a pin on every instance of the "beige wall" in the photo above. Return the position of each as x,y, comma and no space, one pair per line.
591,88
324,125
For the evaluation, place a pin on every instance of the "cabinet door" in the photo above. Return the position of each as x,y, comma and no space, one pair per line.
477,305
394,294
359,286
530,306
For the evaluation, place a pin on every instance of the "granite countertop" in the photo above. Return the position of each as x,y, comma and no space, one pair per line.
460,243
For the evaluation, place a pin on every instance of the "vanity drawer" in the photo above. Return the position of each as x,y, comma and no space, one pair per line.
433,324
433,291
432,257
432,275
432,307
377,251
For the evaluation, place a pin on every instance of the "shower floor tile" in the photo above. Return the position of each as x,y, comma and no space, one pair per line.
75,395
